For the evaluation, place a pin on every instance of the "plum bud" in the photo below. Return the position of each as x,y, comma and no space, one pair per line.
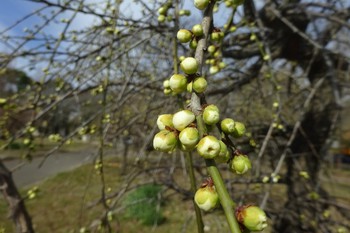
197,30
211,115
184,35
182,119
241,164
239,129
201,4
189,65
224,154
208,147
252,217
164,120
165,141
189,137
228,125
200,85
178,83
206,198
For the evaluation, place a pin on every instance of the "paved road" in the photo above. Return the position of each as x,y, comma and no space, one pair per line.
59,162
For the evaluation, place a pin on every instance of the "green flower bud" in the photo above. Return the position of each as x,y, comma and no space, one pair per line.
241,164
165,120
200,85
184,12
252,217
161,18
166,83
201,4
197,30
165,141
167,91
239,129
189,137
214,69
193,44
208,147
184,35
189,65
206,198
178,83
162,10
190,87
228,125
211,49
181,58
182,119
211,115
224,154
215,36
222,65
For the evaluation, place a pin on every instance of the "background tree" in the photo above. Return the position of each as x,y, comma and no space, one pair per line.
283,72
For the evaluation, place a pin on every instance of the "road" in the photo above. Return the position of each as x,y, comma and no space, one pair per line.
30,172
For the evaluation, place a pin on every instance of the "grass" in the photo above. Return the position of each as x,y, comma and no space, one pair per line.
68,202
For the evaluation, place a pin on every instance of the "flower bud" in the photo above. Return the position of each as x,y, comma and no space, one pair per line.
185,12
167,91
252,217
178,83
193,44
206,198
165,141
201,4
184,35
182,119
241,164
208,147
239,129
228,125
161,18
224,154
165,120
166,83
190,87
189,65
211,49
189,137
200,85
211,115
197,30
162,10
214,69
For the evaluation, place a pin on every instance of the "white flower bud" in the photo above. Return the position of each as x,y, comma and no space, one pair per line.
165,120
189,137
252,217
184,35
208,147
165,141
178,83
182,119
197,30
211,115
206,198
166,83
189,65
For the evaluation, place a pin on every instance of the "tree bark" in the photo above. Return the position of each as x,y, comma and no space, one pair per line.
17,210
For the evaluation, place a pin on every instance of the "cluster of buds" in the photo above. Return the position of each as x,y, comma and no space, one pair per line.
189,81
215,56
182,129
164,14
192,36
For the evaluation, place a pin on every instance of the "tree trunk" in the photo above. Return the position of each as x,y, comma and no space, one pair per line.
17,209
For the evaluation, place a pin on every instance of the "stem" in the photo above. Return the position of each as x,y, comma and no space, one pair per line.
196,107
